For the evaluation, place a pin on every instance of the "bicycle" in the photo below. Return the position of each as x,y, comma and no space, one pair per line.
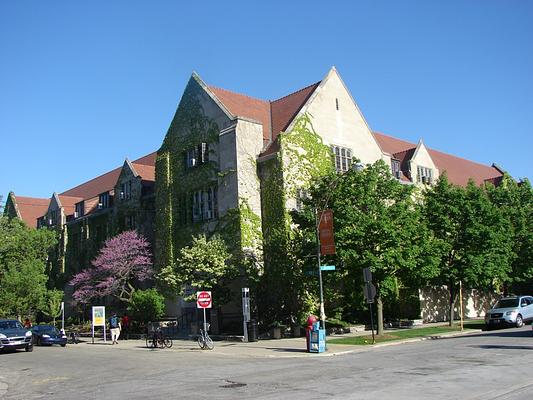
73,337
204,341
158,340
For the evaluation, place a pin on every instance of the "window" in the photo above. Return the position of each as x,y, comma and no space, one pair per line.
130,222
343,158
424,175
197,155
395,168
337,104
79,209
301,195
205,204
53,218
125,190
103,200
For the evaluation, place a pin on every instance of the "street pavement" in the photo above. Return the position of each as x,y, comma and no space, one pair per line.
480,365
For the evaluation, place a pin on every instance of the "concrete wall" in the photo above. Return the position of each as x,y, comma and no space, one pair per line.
249,142
434,303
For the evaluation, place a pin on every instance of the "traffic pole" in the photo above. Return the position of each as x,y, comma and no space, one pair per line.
372,323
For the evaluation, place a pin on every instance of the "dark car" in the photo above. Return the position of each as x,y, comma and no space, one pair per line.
48,335
14,336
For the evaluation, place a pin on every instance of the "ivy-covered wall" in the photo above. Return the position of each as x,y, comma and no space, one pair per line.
231,168
302,157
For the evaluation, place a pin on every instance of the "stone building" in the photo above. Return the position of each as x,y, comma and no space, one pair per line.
220,165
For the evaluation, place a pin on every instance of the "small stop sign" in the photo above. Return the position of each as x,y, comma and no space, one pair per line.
203,300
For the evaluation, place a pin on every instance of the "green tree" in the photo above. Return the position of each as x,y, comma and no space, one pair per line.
377,225
202,265
515,201
147,305
51,306
23,255
472,237
23,289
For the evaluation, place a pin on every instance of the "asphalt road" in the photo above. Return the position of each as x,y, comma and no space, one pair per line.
490,365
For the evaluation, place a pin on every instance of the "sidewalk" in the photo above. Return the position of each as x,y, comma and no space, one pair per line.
271,348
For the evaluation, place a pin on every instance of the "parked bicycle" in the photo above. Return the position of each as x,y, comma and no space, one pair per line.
204,341
73,337
157,339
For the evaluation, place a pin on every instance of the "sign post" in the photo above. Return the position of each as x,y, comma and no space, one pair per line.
204,300
63,317
370,292
245,310
98,319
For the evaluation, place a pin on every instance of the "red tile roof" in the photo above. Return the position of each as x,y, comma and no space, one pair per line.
105,182
68,203
285,109
274,115
458,169
31,208
146,172
245,106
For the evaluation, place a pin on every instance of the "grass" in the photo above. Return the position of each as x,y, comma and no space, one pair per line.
402,334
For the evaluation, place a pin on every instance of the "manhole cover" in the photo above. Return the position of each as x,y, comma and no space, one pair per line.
231,384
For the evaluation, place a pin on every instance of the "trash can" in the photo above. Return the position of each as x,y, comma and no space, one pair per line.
252,330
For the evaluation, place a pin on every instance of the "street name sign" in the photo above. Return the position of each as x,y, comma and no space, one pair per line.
327,268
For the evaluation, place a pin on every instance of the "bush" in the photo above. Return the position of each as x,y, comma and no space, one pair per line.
147,305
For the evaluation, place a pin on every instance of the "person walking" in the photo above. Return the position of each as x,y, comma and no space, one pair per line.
125,326
114,324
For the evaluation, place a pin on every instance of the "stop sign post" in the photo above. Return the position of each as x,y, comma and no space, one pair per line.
204,300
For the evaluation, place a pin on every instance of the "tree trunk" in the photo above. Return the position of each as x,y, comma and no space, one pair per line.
451,302
379,304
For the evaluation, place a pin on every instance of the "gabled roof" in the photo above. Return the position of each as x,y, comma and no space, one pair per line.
245,106
146,172
105,182
31,208
69,203
459,170
286,108
274,115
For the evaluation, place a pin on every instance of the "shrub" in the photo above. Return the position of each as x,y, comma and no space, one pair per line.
147,305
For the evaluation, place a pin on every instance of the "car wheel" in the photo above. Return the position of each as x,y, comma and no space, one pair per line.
29,348
39,341
63,345
519,321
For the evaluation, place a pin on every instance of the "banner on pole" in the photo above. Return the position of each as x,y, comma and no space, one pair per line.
325,230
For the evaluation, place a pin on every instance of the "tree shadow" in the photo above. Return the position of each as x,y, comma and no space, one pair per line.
287,350
504,334
502,347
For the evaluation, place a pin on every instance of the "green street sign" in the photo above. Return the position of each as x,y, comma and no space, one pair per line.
327,268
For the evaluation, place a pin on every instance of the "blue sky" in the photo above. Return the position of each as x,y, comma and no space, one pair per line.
85,84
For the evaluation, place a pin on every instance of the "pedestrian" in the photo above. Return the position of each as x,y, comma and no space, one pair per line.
27,323
114,324
125,326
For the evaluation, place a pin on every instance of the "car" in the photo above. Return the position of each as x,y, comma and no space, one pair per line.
14,336
48,335
515,310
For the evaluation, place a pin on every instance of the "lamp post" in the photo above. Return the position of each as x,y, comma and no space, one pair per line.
319,214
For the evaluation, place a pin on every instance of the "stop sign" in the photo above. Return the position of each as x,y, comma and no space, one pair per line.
203,299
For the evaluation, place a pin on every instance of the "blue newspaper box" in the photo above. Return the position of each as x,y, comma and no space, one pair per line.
317,339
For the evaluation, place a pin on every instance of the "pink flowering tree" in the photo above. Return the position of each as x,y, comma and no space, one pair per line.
122,261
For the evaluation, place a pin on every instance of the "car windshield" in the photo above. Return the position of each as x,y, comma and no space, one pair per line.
506,303
10,325
48,329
